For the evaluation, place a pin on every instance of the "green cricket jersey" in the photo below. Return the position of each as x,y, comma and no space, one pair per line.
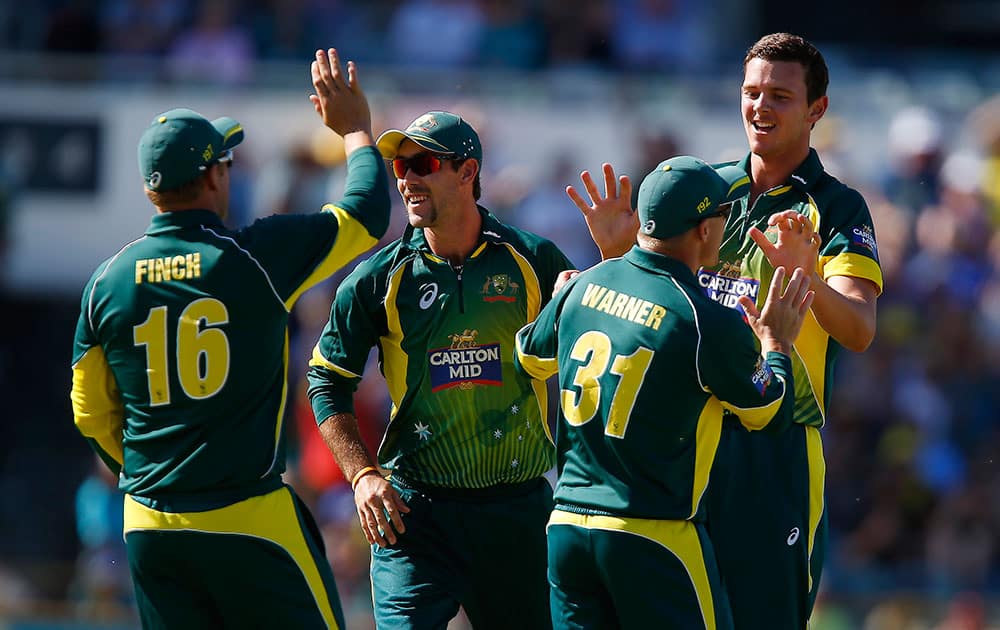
841,217
181,350
462,416
640,349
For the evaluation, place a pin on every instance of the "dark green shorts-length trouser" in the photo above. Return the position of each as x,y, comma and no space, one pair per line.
258,563
767,521
483,550
613,572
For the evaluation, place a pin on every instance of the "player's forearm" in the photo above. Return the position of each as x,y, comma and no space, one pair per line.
343,438
846,309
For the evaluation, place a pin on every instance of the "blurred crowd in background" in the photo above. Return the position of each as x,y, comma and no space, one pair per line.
515,34
912,439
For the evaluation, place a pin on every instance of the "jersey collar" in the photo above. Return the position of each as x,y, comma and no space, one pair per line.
804,177
491,231
166,221
660,264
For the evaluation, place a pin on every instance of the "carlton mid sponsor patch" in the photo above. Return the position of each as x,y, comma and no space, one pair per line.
465,363
726,288
762,375
864,236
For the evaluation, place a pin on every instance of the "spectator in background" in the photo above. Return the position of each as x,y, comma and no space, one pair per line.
579,33
141,27
660,35
436,33
545,210
915,154
102,588
73,28
216,48
512,37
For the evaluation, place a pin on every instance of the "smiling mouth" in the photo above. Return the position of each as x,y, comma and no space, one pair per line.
414,199
762,127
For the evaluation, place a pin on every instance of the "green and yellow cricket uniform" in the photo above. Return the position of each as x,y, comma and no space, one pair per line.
467,441
771,562
647,366
179,381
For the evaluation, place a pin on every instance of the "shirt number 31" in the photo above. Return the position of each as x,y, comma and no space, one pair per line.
580,405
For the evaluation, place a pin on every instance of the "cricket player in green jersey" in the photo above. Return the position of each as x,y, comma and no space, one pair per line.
180,371
790,213
467,441
647,367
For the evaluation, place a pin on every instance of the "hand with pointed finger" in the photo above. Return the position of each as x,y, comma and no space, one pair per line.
380,510
778,322
339,99
796,244
610,218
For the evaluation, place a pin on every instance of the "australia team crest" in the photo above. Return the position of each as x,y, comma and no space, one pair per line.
500,288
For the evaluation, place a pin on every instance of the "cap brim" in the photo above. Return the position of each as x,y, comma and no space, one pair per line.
230,130
388,143
737,181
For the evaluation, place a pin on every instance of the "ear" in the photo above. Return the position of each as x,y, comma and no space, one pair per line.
212,178
817,108
469,169
703,231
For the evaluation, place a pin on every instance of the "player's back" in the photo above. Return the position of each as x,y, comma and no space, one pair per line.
194,334
638,430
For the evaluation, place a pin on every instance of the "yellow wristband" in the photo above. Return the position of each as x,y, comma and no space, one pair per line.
361,473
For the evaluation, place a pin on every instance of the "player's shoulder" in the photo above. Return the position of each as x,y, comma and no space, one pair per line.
382,262
519,238
833,195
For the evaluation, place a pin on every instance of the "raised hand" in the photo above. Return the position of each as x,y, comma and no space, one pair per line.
778,322
796,245
611,220
339,99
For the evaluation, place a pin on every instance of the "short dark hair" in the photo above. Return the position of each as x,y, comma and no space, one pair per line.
477,189
788,47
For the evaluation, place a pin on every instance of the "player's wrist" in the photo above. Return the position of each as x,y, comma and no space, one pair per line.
367,470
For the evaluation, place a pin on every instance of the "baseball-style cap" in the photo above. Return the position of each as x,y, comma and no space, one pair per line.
440,132
679,192
180,144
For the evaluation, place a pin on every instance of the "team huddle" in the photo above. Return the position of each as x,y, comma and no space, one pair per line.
694,368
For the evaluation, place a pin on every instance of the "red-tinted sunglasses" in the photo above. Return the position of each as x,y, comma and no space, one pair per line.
422,164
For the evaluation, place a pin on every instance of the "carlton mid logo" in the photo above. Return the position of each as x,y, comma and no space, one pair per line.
464,339
464,364
500,288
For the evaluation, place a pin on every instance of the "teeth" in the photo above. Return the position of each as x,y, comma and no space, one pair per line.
418,198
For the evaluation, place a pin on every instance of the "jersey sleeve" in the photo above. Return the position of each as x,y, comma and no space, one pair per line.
300,251
536,344
98,411
339,357
758,389
849,244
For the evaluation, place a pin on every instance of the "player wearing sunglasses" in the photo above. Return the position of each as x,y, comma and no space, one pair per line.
460,518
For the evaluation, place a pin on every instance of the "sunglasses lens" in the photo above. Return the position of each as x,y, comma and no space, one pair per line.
421,165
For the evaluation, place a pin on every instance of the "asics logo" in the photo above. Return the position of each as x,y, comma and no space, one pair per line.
793,537
430,294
